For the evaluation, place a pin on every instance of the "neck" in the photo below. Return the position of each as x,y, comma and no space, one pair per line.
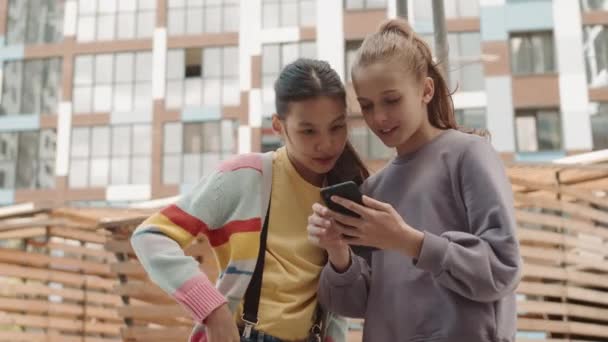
421,137
308,175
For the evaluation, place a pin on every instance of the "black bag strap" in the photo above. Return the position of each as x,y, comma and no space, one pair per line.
252,295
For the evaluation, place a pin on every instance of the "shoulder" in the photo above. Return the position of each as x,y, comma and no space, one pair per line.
247,161
459,147
478,160
231,176
472,148
462,143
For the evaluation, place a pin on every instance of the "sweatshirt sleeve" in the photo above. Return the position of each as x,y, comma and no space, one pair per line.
480,262
346,293
159,244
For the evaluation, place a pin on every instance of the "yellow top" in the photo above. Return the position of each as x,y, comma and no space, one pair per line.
293,265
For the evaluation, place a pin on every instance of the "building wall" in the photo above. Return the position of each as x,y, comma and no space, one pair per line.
498,95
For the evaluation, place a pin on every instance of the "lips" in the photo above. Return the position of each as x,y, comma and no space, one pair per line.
388,130
324,160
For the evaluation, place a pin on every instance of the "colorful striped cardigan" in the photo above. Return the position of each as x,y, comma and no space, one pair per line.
228,207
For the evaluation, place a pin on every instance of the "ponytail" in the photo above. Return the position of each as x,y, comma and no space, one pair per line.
396,39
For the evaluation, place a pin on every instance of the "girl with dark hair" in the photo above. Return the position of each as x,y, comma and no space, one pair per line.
441,212
253,211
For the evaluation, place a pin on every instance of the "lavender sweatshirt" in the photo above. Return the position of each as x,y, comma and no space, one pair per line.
461,288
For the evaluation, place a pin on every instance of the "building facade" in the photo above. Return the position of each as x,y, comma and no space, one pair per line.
110,102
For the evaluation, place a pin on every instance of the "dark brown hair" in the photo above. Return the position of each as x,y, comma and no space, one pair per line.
395,39
305,79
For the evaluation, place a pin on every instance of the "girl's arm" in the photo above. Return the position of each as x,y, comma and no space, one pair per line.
159,242
345,291
480,262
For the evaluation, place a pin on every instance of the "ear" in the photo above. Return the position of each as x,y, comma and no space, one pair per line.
428,90
277,125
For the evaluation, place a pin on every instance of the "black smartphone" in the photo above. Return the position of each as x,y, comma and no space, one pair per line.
348,190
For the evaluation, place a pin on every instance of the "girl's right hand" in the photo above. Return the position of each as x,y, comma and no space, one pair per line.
322,234
221,327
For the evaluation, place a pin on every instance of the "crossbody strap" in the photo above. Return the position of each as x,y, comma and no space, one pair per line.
252,295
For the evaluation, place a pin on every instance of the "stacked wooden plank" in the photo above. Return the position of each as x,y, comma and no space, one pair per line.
56,283
562,216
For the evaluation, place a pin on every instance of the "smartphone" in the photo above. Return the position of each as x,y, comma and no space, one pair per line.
348,190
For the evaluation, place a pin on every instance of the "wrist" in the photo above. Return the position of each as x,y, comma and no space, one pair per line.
340,259
411,242
215,313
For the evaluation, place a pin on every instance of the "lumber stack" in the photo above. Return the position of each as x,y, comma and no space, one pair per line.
56,281
562,216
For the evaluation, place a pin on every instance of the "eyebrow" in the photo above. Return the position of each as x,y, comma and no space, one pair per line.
384,92
308,124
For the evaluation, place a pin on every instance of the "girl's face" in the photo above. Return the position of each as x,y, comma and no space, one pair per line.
393,102
315,133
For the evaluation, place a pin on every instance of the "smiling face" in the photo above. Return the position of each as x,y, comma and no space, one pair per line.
393,102
315,133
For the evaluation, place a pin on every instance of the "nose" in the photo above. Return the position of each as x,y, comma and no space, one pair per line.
324,144
380,116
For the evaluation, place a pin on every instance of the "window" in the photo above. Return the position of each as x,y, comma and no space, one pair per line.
119,82
532,53
466,68
594,5
368,145
34,22
116,155
599,125
474,118
27,159
208,77
471,118
285,13
31,86
538,130
202,16
423,9
596,54
115,19
364,4
349,57
277,56
194,150
461,8
270,140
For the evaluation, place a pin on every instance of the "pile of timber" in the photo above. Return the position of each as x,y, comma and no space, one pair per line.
56,278
562,216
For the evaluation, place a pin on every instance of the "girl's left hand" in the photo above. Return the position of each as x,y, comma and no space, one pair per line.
380,225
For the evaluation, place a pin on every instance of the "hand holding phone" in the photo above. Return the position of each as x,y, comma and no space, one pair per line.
348,190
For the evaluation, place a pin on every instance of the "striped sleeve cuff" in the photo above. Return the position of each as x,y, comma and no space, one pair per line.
199,297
